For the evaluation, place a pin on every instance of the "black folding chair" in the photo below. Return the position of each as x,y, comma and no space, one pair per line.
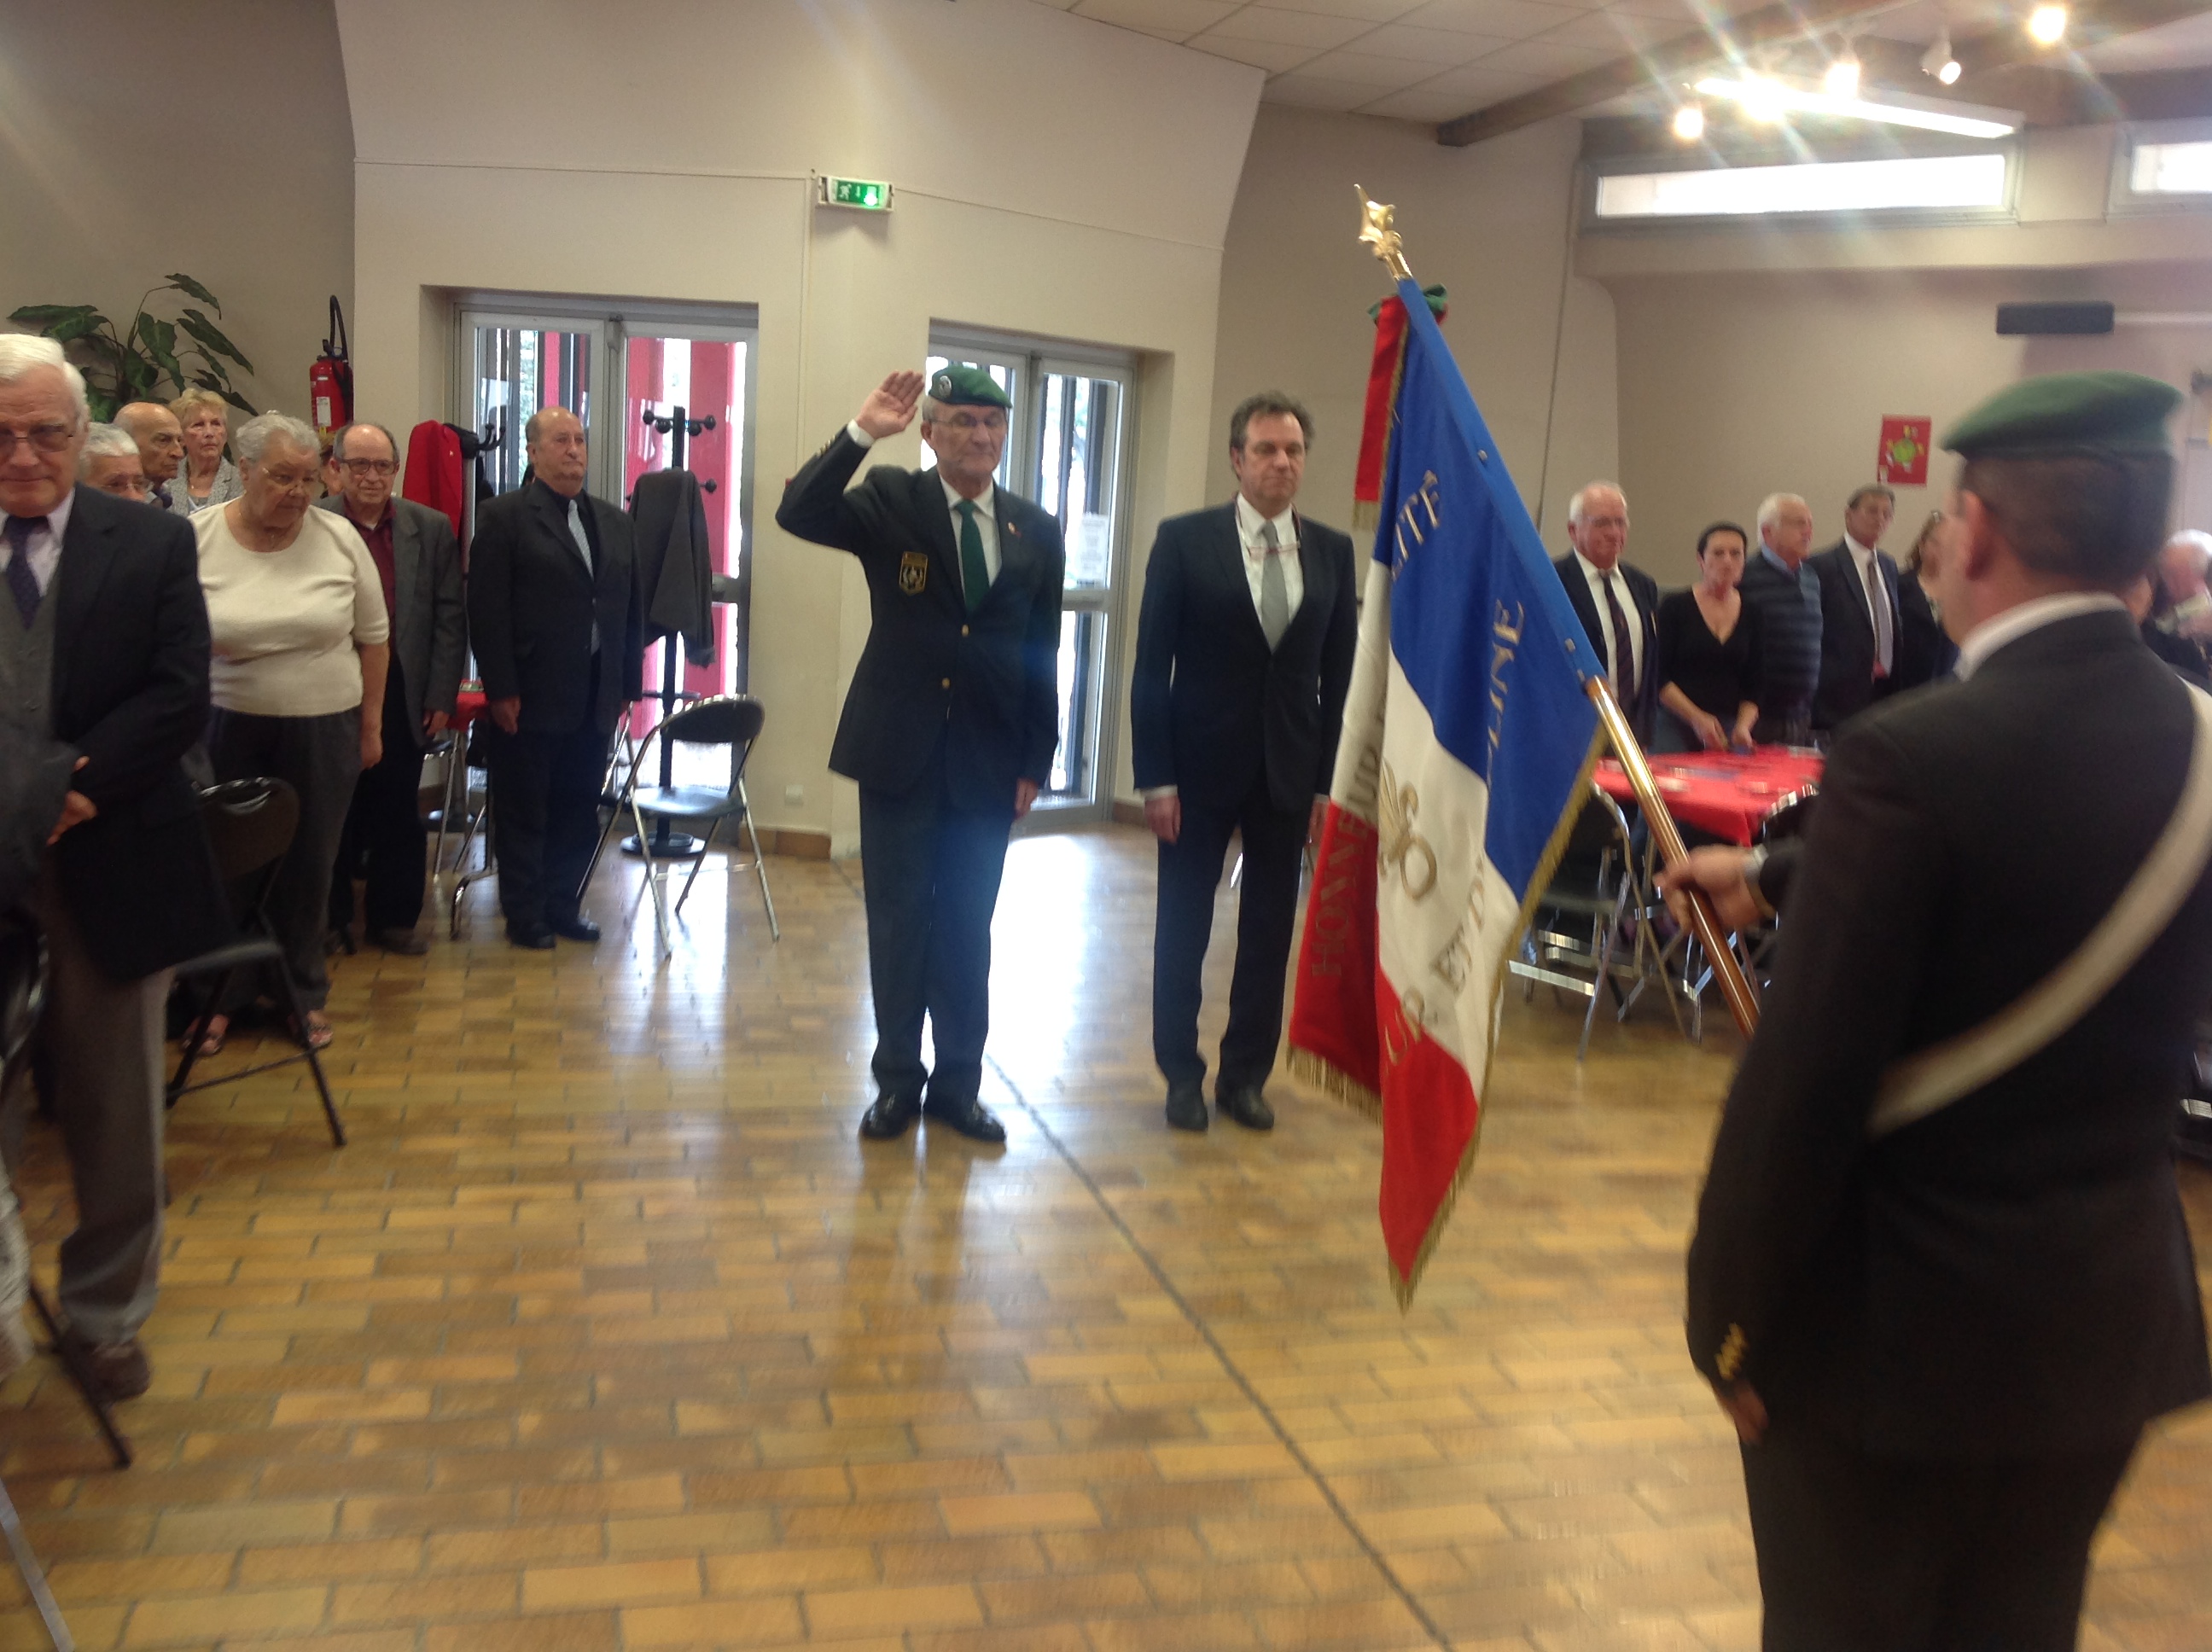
250,823
731,720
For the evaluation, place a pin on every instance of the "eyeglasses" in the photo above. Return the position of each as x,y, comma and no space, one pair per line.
968,423
367,467
46,438
289,484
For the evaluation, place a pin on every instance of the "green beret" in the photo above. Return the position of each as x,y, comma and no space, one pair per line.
2068,413
966,386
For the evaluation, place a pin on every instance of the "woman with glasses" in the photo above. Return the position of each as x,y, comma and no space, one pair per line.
297,611
208,478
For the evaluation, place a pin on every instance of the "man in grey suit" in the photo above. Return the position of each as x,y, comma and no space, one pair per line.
419,560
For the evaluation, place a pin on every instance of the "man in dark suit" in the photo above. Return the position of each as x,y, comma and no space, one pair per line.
951,720
553,609
1243,658
419,560
1940,1330
1861,610
1784,590
104,649
1613,600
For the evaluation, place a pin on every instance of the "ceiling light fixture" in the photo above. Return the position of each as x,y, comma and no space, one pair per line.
1938,61
2046,25
1690,122
1842,79
1756,94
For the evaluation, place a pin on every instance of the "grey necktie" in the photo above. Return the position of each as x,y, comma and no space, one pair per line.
577,532
1884,631
1274,594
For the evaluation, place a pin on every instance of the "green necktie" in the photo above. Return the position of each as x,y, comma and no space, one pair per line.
975,574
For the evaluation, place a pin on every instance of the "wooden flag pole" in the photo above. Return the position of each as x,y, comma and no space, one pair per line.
1735,986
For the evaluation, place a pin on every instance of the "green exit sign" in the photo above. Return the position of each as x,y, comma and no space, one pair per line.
864,194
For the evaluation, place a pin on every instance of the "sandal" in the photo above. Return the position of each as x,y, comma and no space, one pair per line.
317,1034
211,1041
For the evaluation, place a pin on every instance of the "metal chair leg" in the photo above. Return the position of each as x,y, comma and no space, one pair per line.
314,1058
698,861
622,801
196,1034
760,865
34,1578
118,1447
654,885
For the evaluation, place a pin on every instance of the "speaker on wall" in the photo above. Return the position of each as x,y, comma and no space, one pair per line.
2036,319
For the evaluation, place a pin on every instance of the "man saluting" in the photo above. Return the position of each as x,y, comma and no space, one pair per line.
951,720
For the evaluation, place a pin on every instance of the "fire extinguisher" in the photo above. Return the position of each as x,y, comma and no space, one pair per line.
330,381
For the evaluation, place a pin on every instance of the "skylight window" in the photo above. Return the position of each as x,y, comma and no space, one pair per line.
1923,183
2171,169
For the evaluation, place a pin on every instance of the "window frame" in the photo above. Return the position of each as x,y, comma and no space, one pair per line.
1705,158
2124,200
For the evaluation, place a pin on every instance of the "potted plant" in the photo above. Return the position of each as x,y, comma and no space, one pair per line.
128,364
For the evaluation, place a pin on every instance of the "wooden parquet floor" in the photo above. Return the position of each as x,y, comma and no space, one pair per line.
606,1332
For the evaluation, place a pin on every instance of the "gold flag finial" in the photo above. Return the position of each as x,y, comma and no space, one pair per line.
1377,231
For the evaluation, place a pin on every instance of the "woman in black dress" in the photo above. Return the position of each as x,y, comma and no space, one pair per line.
1709,653
1924,652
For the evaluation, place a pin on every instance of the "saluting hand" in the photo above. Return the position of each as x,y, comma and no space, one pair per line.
891,406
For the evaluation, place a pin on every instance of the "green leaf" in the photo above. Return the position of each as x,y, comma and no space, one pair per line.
159,339
139,375
47,317
239,401
103,405
211,337
187,284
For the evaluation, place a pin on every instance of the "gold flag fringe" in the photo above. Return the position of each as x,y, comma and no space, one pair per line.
1332,1080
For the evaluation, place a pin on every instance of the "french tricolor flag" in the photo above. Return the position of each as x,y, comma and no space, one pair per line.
1469,740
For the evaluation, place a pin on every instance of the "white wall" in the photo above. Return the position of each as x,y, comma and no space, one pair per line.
1055,176
1489,223
136,141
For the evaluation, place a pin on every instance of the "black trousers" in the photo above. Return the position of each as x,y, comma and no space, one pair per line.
545,794
931,872
321,758
1859,1553
385,840
1267,912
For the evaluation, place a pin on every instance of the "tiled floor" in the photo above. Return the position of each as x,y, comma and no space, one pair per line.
606,1332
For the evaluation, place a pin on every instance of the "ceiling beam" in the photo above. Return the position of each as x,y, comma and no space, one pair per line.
1784,25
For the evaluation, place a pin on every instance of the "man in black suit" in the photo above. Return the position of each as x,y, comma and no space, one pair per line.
951,723
1940,1329
1612,599
553,609
104,649
1243,658
1859,608
419,560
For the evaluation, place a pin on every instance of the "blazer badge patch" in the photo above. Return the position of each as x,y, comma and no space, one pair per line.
914,572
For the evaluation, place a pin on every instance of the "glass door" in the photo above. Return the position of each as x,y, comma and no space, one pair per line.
1064,452
521,364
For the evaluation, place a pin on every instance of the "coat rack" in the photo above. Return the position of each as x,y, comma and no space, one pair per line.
668,844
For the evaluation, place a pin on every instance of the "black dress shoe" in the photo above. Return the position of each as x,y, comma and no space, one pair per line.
1244,1103
574,928
405,942
116,1371
888,1119
537,937
1186,1105
967,1115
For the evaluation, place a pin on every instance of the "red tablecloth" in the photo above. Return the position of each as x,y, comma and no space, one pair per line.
1724,793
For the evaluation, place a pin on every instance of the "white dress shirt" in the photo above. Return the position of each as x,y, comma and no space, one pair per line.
987,511
1626,598
2014,624
1874,589
1250,526
44,548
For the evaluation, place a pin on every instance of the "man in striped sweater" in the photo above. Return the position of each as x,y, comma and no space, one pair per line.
1787,594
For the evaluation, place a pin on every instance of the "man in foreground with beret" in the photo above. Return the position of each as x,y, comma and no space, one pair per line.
951,723
1941,1279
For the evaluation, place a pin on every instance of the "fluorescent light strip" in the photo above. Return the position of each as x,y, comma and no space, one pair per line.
1775,94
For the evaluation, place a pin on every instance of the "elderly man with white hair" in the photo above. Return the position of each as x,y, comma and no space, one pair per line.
296,610
1617,604
109,462
103,650
1787,595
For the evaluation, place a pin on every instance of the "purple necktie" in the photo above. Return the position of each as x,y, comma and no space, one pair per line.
22,584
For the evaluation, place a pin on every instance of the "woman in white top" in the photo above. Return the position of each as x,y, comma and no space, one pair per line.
208,478
297,611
